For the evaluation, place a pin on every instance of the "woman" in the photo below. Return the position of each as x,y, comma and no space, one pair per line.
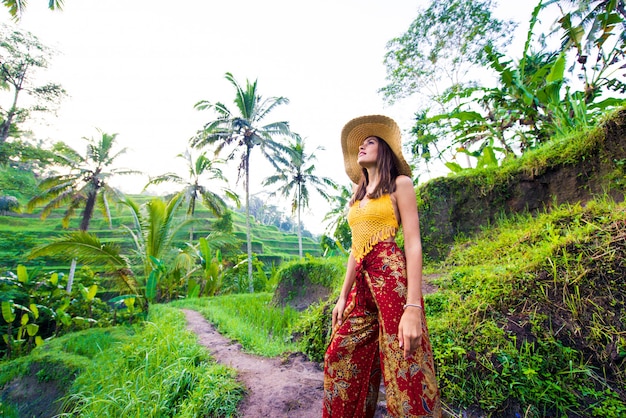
378,321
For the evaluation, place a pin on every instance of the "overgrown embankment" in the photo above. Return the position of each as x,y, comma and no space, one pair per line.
576,168
530,318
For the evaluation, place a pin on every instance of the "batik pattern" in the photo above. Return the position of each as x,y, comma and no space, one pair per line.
365,347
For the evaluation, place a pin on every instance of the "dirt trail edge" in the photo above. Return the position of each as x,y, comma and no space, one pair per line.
276,387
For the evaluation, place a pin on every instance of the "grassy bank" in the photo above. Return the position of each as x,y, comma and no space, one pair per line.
531,315
154,369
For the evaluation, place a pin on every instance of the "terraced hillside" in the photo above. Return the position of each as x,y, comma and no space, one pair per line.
21,232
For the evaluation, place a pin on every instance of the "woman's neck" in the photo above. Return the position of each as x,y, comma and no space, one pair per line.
373,179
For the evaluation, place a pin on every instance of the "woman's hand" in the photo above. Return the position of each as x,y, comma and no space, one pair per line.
410,330
338,312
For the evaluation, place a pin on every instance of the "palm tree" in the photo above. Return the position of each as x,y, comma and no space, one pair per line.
338,211
16,7
296,169
338,227
193,189
86,185
243,131
155,226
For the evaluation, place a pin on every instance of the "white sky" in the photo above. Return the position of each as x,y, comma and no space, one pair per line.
137,67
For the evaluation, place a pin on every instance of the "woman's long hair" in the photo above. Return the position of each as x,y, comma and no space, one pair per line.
387,171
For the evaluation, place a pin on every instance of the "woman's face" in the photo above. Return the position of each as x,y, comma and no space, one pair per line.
368,152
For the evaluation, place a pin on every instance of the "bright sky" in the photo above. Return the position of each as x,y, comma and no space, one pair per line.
137,67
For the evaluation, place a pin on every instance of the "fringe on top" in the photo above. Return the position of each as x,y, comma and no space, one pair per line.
374,222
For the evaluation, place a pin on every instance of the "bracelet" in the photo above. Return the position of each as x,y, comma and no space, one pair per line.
415,305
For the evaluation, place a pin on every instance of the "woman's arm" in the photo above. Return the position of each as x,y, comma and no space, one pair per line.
345,290
410,328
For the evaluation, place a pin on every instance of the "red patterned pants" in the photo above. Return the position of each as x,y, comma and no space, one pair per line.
366,345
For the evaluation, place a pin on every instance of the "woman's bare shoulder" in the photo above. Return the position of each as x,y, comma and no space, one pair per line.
404,182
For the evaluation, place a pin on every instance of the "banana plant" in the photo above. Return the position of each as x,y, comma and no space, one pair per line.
158,271
127,303
28,329
8,314
535,99
26,333
89,294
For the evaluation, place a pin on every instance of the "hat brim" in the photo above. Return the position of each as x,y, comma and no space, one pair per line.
358,129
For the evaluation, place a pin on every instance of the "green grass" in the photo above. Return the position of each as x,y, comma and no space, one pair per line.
154,369
527,311
160,371
62,359
249,319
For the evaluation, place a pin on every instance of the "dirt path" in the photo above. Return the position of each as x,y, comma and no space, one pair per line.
276,387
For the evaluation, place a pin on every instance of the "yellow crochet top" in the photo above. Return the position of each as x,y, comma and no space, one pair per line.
374,222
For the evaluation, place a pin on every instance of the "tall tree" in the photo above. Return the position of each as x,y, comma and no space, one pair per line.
296,169
200,169
85,185
22,57
16,7
440,47
242,130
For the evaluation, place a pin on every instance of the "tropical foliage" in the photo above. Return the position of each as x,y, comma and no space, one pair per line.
529,316
8,204
535,99
440,47
35,307
87,182
199,169
88,249
336,216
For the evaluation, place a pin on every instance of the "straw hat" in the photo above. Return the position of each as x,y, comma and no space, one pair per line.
355,132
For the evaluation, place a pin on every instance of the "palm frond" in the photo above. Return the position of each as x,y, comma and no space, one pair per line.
214,203
164,178
60,200
217,240
232,195
203,105
184,261
84,247
123,172
278,128
103,205
270,104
